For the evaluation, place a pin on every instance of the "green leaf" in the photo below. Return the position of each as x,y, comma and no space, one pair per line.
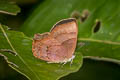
23,2
51,11
8,7
97,40
95,70
17,50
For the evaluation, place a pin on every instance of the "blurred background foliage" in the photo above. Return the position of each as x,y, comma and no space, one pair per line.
91,69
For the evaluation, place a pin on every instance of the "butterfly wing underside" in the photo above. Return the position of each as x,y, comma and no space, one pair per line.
59,44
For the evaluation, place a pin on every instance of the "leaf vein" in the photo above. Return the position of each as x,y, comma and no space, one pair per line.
4,33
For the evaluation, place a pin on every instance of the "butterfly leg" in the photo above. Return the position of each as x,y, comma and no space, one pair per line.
71,61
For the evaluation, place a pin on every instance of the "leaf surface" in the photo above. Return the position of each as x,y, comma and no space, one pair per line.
17,50
9,7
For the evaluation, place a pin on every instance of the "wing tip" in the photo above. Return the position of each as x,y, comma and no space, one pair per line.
63,21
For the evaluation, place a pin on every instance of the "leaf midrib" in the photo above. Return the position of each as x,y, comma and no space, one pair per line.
99,41
5,35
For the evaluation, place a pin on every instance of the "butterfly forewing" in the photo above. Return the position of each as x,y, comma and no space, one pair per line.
60,44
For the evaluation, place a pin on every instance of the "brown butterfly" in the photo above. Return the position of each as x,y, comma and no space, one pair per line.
58,45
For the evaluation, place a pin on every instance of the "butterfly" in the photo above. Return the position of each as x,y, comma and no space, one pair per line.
58,45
